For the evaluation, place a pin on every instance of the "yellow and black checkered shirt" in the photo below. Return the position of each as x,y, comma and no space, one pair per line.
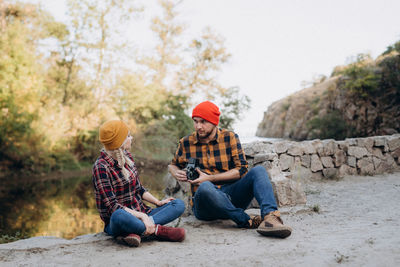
221,154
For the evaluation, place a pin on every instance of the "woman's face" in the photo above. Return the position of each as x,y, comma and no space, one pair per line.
128,142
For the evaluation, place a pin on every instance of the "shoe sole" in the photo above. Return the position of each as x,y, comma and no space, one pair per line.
281,232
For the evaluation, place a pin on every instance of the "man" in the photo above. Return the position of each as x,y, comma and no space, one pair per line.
224,187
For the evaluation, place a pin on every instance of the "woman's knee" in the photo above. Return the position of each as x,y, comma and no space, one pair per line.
121,219
118,214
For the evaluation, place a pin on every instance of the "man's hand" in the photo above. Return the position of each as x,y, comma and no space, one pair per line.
179,174
164,201
202,178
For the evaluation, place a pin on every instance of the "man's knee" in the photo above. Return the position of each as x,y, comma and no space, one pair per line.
205,189
259,172
179,205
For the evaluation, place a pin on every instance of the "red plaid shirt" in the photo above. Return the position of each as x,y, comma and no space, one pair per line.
113,191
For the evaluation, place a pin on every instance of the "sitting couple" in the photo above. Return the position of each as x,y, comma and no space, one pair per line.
223,189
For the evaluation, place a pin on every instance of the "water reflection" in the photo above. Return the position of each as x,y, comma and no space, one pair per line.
63,207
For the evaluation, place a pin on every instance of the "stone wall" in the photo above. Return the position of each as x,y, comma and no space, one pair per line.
327,159
292,164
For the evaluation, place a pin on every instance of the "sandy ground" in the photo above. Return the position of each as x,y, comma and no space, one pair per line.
358,224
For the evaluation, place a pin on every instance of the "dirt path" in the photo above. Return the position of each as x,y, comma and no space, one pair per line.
358,224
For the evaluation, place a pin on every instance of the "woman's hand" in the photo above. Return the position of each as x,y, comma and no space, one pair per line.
148,223
164,201
150,226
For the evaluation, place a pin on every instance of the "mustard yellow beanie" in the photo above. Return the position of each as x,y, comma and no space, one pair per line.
113,133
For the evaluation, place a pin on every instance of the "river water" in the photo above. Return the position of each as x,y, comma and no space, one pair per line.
62,207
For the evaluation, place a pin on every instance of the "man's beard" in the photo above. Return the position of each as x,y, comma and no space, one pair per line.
206,134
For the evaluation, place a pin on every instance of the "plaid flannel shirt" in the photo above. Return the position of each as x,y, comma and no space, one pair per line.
221,154
113,191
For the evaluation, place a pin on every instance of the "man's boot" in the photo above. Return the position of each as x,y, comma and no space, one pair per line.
272,225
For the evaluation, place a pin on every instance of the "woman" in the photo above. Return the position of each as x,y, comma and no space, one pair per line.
119,193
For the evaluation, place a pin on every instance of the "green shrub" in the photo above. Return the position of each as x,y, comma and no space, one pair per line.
332,125
361,81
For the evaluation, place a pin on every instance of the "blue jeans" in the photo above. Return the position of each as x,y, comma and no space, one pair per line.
230,201
123,223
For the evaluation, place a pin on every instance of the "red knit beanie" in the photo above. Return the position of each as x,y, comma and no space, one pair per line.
208,111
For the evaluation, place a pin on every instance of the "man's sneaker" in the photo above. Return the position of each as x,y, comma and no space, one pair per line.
272,225
169,233
254,222
131,240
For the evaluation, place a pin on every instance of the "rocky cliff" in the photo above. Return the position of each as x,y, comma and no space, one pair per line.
358,100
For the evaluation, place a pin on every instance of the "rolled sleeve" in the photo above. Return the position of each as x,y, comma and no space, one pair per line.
238,156
141,189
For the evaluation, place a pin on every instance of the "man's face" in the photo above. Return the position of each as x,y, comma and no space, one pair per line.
202,127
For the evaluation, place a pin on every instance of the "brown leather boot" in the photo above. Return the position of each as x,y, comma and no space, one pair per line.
272,225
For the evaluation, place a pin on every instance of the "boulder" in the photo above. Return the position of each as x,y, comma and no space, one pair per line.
281,147
260,157
352,161
357,152
394,142
286,162
339,158
368,143
316,164
366,166
253,148
327,162
396,155
330,173
328,148
301,173
380,141
308,148
295,150
306,161
176,189
346,170
287,191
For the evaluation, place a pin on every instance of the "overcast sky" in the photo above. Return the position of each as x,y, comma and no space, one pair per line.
275,45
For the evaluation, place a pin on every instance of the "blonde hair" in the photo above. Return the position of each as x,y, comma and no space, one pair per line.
122,158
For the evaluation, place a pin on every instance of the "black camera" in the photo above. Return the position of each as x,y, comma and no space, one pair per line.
191,172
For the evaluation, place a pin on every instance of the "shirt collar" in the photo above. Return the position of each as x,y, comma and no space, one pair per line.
216,137
107,158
